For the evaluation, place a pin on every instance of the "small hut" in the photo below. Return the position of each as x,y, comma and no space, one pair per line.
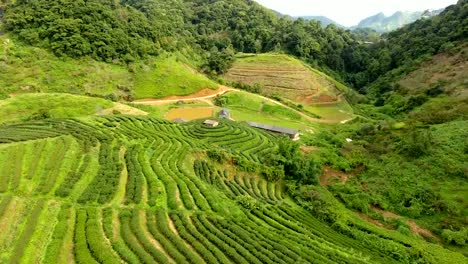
211,123
225,113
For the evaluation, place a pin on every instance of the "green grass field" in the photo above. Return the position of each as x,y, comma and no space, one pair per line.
141,190
56,105
334,112
29,69
26,69
250,107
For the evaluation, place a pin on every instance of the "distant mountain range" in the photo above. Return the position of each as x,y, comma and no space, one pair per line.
380,22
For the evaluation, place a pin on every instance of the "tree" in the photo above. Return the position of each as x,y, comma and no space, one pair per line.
219,62
416,143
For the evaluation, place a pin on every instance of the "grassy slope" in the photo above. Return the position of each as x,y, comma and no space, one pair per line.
167,77
24,106
248,107
28,69
447,69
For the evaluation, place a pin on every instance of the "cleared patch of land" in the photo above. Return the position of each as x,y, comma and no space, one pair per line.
119,108
190,113
201,95
447,70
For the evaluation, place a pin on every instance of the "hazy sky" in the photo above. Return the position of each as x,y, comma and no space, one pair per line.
350,12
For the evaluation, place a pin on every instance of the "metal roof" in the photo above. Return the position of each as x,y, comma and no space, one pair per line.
283,130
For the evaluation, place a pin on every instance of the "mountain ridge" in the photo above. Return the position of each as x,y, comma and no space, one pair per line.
382,23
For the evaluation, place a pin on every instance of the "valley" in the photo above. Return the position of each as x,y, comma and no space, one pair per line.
176,131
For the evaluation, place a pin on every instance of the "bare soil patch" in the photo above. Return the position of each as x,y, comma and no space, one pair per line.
307,149
329,173
317,98
371,220
190,113
414,227
123,109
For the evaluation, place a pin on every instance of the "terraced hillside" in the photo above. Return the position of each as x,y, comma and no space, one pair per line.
283,76
141,190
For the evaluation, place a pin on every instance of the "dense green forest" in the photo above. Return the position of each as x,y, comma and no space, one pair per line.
408,151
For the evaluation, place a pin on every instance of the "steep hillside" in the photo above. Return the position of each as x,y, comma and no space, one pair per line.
143,190
128,31
284,76
405,49
406,164
447,70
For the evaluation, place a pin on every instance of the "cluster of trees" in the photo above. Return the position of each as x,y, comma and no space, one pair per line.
297,167
103,30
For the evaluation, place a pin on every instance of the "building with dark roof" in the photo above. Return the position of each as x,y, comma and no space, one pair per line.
291,133
225,113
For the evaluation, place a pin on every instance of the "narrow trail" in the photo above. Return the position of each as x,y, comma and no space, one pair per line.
174,99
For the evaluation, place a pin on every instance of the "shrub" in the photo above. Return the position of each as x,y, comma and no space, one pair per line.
218,155
416,143
456,237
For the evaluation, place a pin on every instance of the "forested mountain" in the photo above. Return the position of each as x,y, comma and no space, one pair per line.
129,29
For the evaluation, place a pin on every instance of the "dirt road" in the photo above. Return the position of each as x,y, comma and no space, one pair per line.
199,96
